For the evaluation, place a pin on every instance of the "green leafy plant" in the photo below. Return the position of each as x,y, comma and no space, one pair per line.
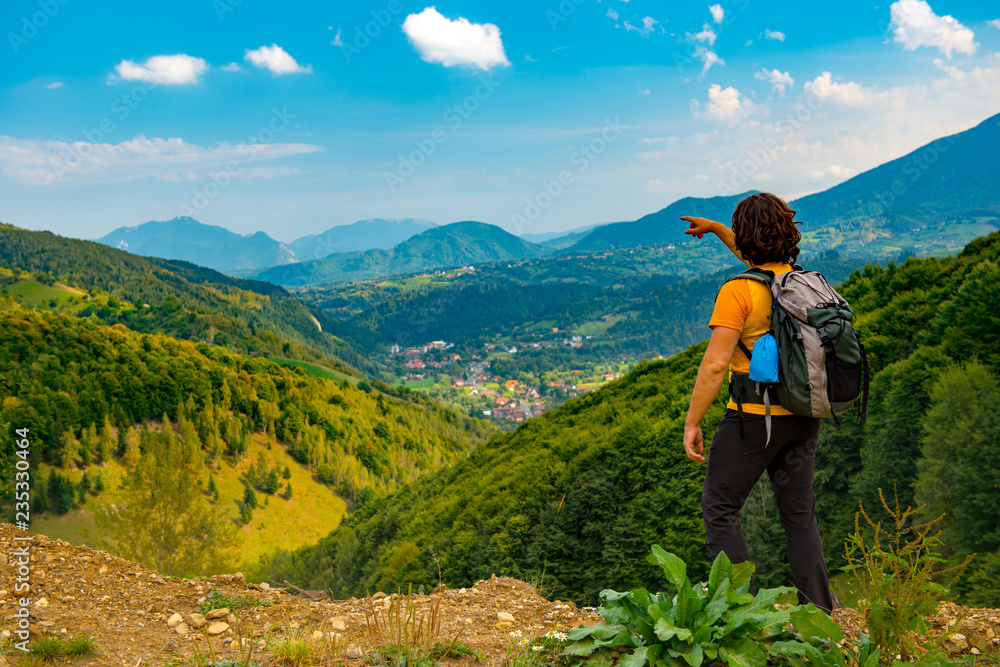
897,572
715,621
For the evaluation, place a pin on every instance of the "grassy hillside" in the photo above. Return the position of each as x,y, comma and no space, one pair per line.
314,508
171,297
574,498
86,391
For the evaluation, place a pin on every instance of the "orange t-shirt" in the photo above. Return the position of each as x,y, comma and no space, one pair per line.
745,305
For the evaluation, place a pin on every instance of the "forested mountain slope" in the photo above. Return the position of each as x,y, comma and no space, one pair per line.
574,498
457,244
176,298
87,393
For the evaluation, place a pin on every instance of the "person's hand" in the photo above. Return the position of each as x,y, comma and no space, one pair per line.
699,226
694,444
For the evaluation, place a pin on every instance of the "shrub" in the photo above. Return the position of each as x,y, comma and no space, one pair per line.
896,575
715,621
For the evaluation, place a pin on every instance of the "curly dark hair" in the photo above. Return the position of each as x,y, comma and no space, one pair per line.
765,230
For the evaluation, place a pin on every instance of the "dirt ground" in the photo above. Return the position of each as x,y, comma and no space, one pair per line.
137,617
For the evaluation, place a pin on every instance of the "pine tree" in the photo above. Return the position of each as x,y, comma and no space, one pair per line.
249,497
286,473
168,525
212,489
132,447
69,449
288,491
40,495
105,446
272,481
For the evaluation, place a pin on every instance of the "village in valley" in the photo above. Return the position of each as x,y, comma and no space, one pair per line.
475,382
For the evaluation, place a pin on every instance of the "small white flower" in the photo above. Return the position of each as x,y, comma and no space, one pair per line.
536,648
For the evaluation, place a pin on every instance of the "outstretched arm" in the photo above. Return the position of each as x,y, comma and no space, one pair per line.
701,226
711,375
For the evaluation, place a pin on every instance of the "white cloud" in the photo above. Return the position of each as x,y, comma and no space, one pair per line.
612,14
776,35
995,23
825,88
167,70
708,57
803,146
953,71
276,60
337,39
54,85
706,35
455,43
718,13
726,105
779,80
648,25
916,24
644,91
37,162
232,67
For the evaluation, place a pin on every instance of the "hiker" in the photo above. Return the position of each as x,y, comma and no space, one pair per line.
750,438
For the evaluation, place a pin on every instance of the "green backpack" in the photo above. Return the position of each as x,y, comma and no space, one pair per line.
822,366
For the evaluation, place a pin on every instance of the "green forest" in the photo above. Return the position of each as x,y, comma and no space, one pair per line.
574,498
92,395
173,297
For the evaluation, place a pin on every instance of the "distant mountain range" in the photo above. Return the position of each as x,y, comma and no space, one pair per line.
358,237
658,228
949,179
457,244
206,245
220,249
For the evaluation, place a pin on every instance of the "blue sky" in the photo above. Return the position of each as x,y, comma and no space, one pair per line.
542,116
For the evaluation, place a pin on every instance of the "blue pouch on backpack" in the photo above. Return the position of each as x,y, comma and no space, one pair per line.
764,362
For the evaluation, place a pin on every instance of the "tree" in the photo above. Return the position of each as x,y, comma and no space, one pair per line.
163,522
40,495
250,498
288,491
132,451
958,474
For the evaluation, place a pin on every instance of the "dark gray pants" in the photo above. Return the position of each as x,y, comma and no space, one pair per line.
734,466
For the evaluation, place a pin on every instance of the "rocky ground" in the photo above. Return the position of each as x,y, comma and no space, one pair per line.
137,617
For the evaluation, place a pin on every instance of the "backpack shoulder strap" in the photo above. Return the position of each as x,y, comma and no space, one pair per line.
760,275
